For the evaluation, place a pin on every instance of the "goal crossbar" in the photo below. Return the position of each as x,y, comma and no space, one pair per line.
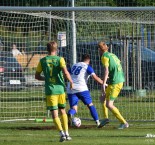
8,8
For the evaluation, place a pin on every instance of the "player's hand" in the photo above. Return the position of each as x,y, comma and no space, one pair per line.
71,86
104,87
102,98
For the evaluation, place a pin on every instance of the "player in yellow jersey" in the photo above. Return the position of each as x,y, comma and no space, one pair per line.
114,73
53,68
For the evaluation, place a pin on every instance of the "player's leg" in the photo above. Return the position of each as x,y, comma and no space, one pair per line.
65,123
58,125
52,105
62,105
104,108
117,114
115,90
87,100
94,113
73,102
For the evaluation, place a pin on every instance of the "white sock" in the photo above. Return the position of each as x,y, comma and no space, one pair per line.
62,133
66,133
97,122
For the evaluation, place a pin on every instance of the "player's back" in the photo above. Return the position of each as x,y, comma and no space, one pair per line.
54,82
116,74
80,73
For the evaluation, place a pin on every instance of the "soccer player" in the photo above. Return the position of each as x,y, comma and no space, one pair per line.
53,68
80,72
114,73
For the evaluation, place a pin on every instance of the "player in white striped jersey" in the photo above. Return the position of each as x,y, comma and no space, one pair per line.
80,72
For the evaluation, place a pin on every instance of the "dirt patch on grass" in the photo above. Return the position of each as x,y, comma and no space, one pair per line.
53,127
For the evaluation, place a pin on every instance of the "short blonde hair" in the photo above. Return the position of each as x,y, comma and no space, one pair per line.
52,46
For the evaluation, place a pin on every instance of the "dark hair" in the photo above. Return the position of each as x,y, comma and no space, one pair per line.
85,57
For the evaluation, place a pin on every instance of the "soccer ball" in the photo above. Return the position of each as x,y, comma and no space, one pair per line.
76,121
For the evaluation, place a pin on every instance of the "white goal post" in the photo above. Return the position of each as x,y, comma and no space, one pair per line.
129,32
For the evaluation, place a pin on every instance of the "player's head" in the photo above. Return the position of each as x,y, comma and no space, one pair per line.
102,46
86,58
52,46
14,46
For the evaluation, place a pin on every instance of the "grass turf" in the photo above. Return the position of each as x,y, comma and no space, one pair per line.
31,133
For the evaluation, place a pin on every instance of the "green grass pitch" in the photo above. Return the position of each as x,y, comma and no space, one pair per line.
32,133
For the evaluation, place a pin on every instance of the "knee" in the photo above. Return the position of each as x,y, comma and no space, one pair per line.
91,104
62,110
109,106
54,114
75,109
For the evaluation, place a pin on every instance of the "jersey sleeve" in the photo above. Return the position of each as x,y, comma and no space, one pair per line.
69,70
105,61
39,68
62,62
90,70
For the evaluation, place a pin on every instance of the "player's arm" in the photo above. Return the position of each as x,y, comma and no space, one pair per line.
38,73
97,79
105,62
65,72
91,72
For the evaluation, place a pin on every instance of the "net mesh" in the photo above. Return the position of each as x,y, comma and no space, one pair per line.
146,17
130,35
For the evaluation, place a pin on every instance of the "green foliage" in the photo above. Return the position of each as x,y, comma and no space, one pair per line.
33,2
134,3
77,3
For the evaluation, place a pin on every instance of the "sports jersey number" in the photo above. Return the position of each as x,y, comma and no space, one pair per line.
51,69
76,70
